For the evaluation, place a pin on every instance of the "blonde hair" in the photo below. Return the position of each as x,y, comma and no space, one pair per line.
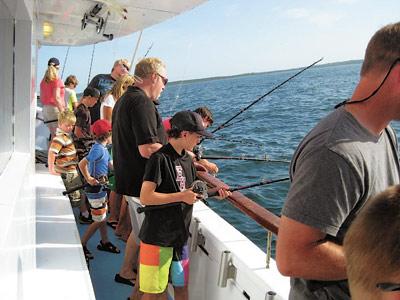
121,85
66,117
121,61
148,66
383,49
51,74
372,244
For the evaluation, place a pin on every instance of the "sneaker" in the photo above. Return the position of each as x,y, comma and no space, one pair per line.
85,220
88,254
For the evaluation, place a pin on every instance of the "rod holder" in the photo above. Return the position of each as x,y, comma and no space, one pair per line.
198,238
270,295
195,233
226,269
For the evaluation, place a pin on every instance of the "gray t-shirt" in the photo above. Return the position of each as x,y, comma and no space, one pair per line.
334,170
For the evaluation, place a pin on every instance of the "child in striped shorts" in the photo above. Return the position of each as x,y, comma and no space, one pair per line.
94,168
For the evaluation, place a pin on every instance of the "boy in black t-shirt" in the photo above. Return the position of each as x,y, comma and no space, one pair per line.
169,174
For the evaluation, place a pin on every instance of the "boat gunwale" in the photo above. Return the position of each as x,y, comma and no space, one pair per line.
260,214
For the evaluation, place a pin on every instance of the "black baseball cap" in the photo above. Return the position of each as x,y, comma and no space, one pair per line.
91,92
53,62
189,121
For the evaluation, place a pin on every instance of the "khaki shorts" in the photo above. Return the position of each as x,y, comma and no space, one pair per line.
72,180
50,113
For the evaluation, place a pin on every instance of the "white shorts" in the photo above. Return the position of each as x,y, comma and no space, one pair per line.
136,218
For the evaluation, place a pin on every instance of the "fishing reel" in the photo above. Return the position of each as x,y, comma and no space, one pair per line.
200,188
198,151
103,180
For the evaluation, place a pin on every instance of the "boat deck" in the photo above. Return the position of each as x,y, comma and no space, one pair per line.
61,270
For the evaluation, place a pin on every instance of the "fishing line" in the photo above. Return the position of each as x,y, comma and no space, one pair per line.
91,64
65,62
247,158
177,96
263,96
347,101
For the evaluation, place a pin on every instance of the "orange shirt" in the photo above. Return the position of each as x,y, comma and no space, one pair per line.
63,147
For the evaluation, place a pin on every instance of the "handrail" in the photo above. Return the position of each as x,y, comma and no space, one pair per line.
255,211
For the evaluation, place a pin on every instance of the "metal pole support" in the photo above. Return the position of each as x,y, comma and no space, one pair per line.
226,269
270,295
269,249
195,233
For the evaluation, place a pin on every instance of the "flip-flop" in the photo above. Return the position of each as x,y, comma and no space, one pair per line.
88,254
118,278
108,247
112,224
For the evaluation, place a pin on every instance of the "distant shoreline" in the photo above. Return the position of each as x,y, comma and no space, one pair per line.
339,63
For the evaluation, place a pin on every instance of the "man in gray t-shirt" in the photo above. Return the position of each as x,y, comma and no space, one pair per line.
348,157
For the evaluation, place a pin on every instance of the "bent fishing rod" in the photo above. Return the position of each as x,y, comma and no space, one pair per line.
226,123
204,193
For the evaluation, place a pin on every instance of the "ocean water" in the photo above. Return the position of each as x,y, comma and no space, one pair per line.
273,127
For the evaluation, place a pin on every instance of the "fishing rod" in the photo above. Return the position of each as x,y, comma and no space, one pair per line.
202,189
223,125
103,181
266,158
198,151
148,50
233,123
217,138
199,187
49,121
244,187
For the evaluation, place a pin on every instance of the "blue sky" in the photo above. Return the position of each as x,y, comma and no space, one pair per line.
228,37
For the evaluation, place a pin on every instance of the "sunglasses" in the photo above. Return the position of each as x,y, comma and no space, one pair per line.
164,79
388,286
126,67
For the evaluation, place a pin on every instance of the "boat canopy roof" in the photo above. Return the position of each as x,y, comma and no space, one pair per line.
83,22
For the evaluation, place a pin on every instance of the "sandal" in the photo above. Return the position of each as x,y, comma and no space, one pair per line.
112,224
118,278
108,247
88,254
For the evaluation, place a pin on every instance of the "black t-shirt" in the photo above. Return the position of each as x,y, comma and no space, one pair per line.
83,119
168,226
104,83
135,121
